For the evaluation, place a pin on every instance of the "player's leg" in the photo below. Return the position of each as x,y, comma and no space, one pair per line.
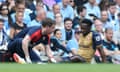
34,57
77,58
15,48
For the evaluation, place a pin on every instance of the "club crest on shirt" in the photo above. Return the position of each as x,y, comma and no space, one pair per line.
97,38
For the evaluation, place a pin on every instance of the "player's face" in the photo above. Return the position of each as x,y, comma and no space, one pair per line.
109,35
50,29
85,29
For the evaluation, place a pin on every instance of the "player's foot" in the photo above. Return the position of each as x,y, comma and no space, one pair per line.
18,59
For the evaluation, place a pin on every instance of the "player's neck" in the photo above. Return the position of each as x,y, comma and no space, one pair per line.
86,34
108,40
43,31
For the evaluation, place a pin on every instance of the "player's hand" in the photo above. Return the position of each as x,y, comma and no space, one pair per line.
28,60
53,60
70,54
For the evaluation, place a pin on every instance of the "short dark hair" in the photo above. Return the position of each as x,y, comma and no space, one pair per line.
67,19
87,21
48,22
111,4
109,28
56,31
80,9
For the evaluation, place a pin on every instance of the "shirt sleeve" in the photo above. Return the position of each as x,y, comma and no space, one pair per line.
32,30
55,44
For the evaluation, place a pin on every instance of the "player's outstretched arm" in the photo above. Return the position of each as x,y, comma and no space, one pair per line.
49,54
100,49
25,43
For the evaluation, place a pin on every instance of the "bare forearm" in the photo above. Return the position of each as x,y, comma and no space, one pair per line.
108,52
74,52
48,51
49,54
25,44
25,48
102,53
111,52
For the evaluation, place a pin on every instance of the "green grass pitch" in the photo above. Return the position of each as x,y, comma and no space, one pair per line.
13,67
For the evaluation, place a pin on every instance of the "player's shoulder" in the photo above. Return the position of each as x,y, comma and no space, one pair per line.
34,28
96,36
95,33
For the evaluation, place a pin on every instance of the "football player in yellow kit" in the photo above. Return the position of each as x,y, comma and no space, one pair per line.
88,43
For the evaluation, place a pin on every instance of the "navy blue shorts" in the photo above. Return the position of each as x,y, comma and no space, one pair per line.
15,46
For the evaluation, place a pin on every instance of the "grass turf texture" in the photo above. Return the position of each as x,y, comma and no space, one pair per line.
13,67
